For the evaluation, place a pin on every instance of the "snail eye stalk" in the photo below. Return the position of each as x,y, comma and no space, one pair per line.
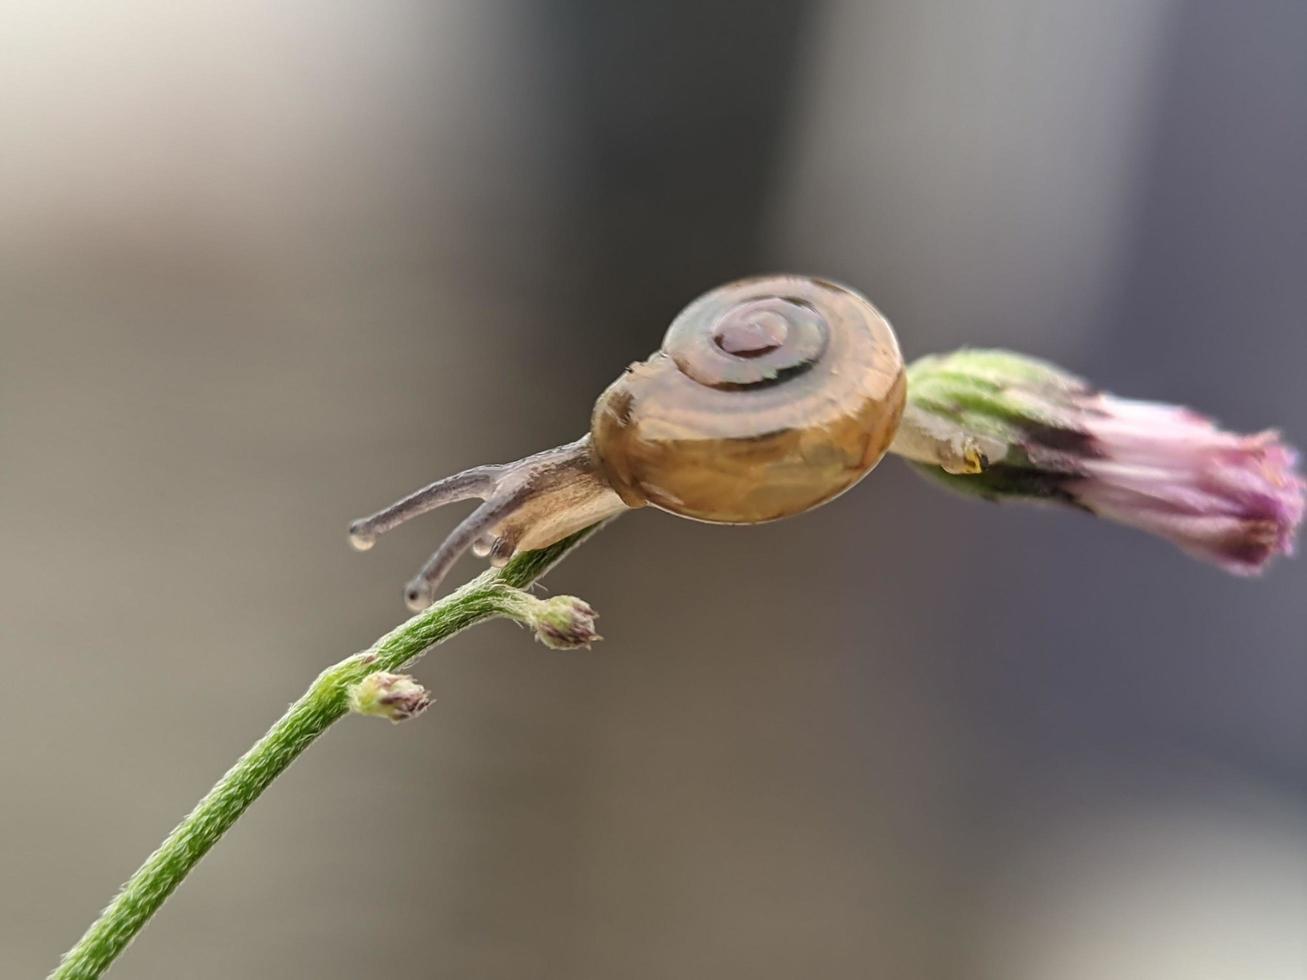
477,482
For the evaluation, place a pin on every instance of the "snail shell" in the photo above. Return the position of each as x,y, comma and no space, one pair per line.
769,397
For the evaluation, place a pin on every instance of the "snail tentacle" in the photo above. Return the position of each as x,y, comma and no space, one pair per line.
479,481
421,590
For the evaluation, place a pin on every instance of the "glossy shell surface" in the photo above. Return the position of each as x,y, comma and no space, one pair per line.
769,397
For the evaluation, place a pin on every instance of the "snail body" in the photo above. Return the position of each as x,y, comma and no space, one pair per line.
768,397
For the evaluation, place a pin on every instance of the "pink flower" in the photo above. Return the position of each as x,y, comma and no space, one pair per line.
1234,500
1003,426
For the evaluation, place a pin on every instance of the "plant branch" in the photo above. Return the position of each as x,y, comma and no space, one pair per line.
996,424
491,594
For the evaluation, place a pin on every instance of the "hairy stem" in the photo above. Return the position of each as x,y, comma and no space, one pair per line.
325,701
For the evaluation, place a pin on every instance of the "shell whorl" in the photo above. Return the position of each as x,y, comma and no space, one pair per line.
769,396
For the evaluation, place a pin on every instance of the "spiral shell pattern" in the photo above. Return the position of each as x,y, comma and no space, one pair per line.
769,397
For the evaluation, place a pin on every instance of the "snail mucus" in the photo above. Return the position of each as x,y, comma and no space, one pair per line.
769,397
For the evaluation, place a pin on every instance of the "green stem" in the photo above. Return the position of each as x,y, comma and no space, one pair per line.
324,702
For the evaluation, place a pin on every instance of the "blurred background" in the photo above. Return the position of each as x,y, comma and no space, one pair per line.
266,267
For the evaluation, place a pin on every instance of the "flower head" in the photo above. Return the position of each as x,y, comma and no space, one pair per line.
1035,431
397,697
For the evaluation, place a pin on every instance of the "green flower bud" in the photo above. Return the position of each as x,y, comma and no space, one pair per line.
397,697
561,622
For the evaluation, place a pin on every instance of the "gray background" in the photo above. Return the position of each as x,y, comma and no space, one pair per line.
265,267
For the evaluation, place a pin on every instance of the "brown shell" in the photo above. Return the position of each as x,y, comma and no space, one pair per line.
769,397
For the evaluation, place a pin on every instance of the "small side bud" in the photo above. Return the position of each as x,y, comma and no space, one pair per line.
565,622
562,622
397,697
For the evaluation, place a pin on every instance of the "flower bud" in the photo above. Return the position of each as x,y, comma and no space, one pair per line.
384,695
561,622
565,622
1040,433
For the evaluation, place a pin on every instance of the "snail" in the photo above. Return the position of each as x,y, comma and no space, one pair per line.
769,396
